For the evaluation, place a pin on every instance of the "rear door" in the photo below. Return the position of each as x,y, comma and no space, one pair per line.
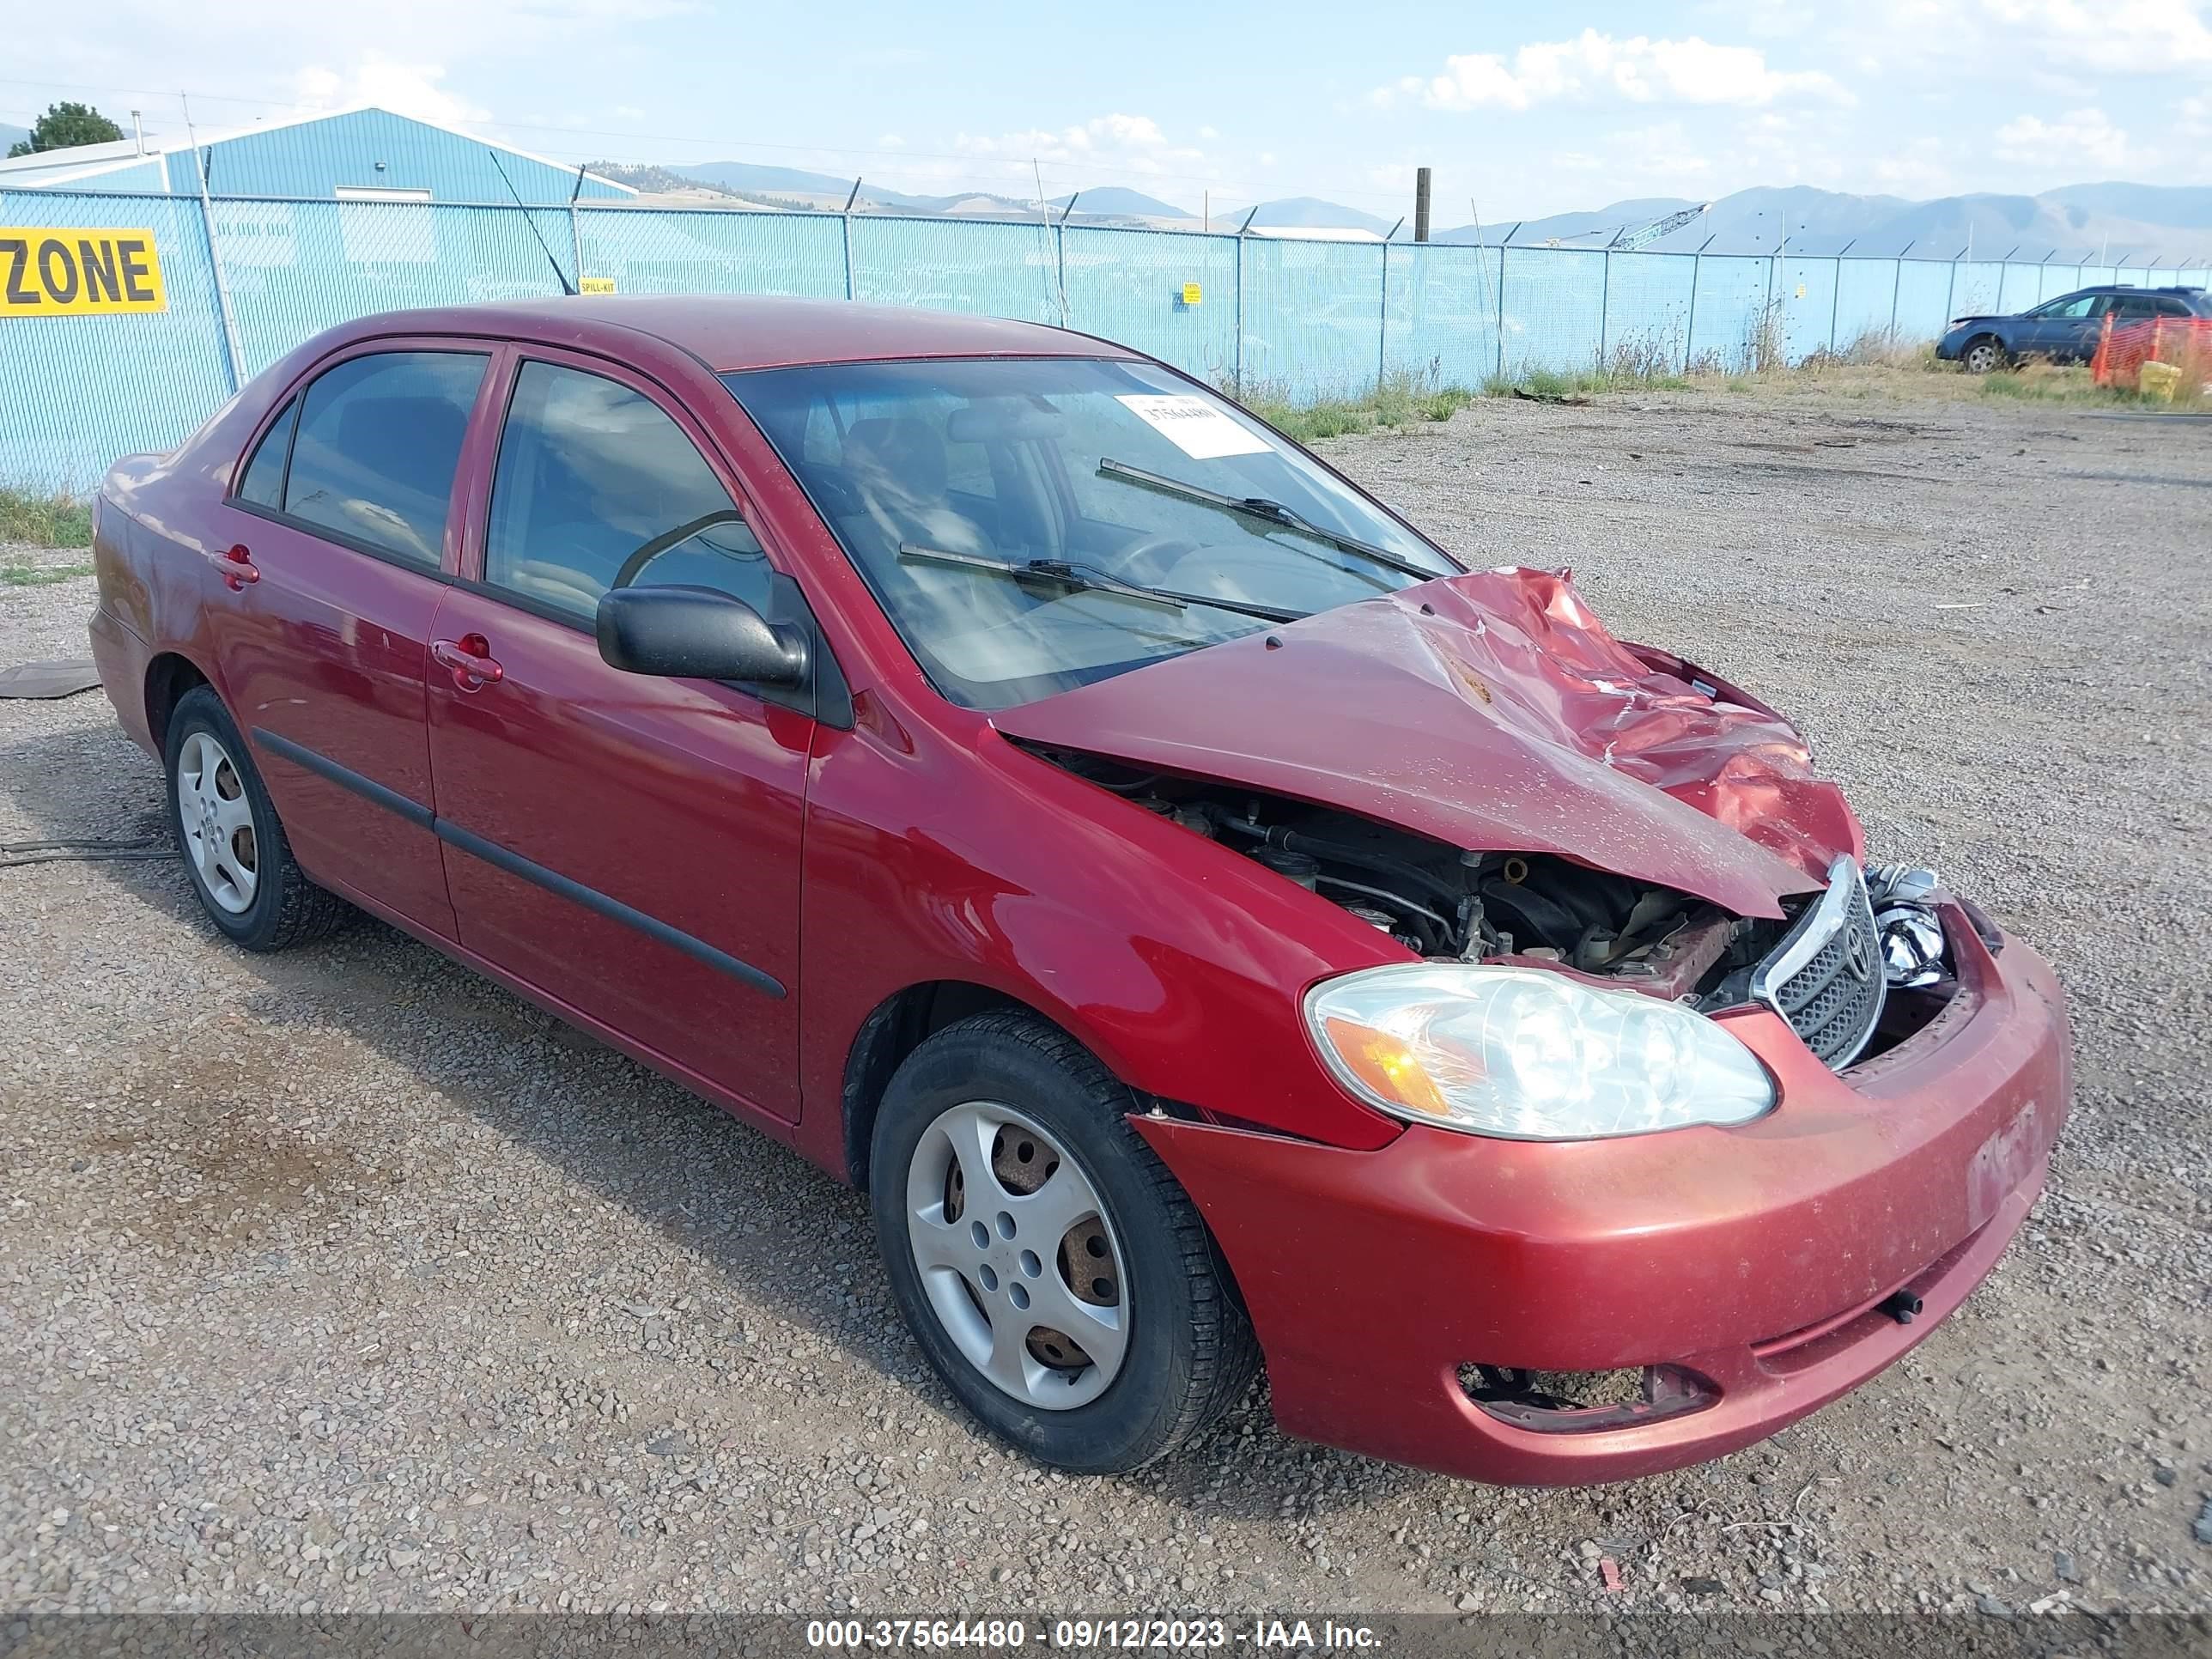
627,846
344,540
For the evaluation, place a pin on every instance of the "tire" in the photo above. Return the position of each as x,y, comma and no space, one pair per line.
1985,354
1011,1085
234,846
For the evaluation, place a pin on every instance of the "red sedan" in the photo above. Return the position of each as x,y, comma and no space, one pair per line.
1209,922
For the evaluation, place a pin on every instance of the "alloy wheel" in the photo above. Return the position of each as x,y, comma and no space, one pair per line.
1018,1257
217,819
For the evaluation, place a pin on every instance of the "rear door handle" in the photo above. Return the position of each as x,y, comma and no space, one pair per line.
235,565
470,659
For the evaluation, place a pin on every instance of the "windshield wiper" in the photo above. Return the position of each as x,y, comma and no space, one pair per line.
1080,579
1270,512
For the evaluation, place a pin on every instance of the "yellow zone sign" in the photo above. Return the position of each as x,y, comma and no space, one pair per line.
46,272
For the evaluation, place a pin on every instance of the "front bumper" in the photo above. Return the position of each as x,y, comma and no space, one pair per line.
1753,1259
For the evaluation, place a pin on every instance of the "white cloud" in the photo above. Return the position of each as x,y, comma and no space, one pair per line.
2118,37
1127,143
2193,118
1640,70
1664,151
2078,135
407,89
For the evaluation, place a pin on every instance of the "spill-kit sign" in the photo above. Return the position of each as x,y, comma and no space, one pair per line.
48,272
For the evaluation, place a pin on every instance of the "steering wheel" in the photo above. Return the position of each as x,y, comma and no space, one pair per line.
1150,558
633,565
836,496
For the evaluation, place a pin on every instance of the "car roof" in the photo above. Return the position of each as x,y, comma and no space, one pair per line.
730,331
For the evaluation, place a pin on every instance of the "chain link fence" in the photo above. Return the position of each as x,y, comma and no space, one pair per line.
249,278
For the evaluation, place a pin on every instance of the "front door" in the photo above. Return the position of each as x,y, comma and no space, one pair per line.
627,846
340,557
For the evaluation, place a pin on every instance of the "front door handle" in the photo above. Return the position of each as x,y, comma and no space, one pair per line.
235,565
470,659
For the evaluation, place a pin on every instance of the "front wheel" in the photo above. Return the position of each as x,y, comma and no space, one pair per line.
1985,356
1053,1273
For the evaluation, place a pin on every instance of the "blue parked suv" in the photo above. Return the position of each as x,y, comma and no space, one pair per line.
2064,330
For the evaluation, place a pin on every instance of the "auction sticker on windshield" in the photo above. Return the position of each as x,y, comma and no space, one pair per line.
1196,427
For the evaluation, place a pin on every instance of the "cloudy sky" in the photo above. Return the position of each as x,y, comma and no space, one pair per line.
1525,110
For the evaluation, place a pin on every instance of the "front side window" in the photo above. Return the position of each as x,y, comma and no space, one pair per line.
378,442
1034,525
598,489
2068,310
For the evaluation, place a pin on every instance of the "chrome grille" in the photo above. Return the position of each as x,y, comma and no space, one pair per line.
1826,978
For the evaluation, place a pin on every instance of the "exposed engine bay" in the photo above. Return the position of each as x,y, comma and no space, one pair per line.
1855,969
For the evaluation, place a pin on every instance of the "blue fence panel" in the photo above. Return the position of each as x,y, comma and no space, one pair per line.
1866,292
1129,286
2055,280
1647,310
1441,323
1729,311
2196,277
1805,293
1925,309
75,392
1297,319
1554,309
715,252
989,268
296,268
1978,288
1313,317
2020,287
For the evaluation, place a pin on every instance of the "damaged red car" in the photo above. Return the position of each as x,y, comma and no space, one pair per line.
1212,924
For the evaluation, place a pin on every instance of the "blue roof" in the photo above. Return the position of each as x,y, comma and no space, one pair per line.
317,157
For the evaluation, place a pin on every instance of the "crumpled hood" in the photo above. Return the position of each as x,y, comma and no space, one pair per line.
1490,711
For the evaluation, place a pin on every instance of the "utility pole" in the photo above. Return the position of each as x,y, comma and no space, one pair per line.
1421,204
215,251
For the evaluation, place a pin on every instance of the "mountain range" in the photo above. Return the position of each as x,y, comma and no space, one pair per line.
2115,222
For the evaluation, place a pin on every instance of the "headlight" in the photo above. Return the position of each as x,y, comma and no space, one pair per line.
1530,1055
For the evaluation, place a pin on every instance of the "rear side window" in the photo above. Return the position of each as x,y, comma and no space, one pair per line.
263,483
379,441
598,489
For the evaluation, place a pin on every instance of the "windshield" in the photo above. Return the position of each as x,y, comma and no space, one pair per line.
1033,525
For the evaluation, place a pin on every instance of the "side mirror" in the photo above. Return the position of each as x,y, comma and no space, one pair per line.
698,633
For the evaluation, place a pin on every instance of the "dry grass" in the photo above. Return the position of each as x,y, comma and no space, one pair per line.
1404,399
33,518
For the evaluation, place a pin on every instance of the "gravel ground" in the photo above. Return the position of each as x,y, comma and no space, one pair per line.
343,1280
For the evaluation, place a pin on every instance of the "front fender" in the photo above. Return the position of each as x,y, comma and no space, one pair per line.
1179,963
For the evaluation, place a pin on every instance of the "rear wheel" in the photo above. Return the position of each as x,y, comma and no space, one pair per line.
232,845
1985,354
1051,1270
